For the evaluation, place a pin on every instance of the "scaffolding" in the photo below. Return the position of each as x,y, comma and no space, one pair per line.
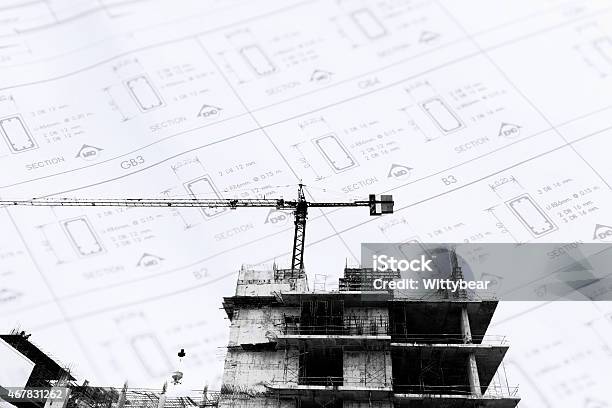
362,279
85,396
351,325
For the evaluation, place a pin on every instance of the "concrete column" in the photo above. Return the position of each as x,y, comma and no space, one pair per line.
473,376
162,398
122,396
472,367
466,332
162,401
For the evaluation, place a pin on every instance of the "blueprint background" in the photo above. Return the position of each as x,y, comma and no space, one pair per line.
455,108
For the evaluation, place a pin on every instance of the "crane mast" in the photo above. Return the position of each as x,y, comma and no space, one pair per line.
299,236
378,206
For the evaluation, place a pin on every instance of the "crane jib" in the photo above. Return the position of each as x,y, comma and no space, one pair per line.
378,205
382,205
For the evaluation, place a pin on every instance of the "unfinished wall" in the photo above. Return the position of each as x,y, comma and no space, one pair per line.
367,320
369,368
242,401
263,283
250,371
261,325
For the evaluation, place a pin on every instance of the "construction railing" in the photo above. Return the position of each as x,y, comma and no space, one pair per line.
494,390
84,396
339,325
499,390
455,389
447,338
327,381
373,380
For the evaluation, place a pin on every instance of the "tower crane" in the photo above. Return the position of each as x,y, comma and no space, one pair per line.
378,205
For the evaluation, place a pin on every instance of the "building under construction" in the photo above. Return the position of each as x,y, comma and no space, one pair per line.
357,347
354,347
